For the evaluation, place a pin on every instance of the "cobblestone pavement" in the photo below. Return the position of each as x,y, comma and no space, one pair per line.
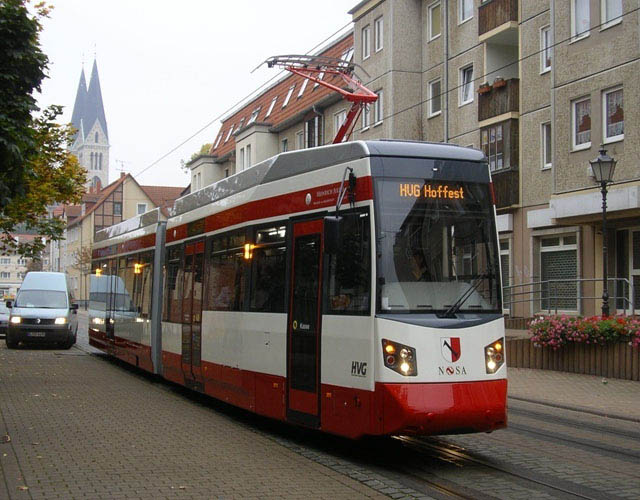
84,427
612,397
81,427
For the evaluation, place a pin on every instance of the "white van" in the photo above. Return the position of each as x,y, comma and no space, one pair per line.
43,311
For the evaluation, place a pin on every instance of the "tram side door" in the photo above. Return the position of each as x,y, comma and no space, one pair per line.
303,324
192,314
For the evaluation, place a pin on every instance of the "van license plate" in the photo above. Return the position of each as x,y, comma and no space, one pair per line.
36,334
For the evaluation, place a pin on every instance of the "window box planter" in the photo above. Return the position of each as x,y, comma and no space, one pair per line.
485,88
499,83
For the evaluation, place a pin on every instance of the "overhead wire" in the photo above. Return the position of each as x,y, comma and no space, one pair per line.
235,106
409,108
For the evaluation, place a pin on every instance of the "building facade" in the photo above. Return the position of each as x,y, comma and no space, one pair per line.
539,87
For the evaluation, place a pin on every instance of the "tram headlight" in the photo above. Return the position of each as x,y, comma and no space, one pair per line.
494,356
16,320
400,358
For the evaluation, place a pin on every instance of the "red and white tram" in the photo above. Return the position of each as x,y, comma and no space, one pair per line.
383,318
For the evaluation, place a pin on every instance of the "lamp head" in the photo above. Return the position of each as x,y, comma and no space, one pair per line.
603,167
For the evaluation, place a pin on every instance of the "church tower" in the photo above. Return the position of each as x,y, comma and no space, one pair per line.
91,143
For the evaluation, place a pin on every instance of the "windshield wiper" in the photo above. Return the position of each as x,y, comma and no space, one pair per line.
455,307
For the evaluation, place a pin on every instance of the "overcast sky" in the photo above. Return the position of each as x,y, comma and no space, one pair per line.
169,68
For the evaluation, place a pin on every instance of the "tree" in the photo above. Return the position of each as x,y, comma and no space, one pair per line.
37,168
204,150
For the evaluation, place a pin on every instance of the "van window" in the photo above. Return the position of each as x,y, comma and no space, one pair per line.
42,298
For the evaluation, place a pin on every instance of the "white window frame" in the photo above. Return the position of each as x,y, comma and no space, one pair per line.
302,88
366,42
562,246
241,159
430,18
247,156
575,36
507,252
462,20
378,108
546,144
284,145
603,15
431,98
300,139
289,93
613,138
546,47
366,117
144,208
273,103
461,73
586,145
338,119
378,34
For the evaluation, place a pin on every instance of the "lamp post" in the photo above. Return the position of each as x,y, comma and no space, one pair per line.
603,168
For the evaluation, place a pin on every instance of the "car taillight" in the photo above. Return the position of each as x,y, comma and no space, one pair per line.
400,358
494,356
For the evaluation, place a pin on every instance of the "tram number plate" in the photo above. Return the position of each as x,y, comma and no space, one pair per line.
37,334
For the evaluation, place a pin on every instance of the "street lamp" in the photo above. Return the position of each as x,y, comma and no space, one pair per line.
603,168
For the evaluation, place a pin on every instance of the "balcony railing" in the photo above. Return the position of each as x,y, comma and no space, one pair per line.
506,187
494,13
499,100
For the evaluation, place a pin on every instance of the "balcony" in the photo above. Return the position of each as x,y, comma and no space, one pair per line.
499,100
506,187
495,13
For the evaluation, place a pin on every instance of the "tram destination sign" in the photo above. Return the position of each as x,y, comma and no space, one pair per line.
430,191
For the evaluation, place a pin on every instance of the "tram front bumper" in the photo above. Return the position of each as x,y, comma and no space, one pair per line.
444,408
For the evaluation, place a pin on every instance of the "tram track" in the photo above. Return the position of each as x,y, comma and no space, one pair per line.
557,488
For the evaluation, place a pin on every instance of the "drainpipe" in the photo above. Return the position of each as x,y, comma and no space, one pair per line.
446,70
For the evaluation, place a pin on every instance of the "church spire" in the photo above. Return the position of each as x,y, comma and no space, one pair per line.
79,108
95,108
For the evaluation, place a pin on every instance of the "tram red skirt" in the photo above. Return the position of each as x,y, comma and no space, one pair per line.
445,408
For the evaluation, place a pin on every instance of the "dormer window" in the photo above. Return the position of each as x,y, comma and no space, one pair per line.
254,115
304,86
320,77
229,134
286,99
273,103
218,140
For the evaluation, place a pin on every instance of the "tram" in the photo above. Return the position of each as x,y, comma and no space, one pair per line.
352,288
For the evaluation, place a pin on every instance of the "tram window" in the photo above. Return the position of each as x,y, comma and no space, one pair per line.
226,273
143,264
349,271
268,267
173,285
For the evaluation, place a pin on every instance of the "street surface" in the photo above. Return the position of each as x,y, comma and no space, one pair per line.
76,424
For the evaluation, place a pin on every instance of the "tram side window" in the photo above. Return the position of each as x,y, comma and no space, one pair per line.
173,285
349,271
142,276
268,267
226,273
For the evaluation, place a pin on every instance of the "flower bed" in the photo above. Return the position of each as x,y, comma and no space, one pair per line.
557,331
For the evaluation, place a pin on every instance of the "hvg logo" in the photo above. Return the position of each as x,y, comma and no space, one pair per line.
358,369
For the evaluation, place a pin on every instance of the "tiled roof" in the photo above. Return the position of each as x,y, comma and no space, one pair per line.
312,94
163,196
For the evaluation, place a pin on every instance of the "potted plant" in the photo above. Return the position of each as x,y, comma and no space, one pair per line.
499,82
484,88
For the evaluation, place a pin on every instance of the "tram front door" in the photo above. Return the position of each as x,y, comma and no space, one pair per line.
192,315
303,325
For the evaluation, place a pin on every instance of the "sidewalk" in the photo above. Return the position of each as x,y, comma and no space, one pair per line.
609,397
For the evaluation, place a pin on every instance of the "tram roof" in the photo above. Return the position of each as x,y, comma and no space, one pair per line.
289,164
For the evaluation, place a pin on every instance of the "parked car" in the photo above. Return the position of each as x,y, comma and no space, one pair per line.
44,311
4,318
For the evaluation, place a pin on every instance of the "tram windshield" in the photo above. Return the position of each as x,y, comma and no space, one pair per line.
437,247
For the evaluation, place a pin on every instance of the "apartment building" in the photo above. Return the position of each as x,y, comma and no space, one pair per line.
293,113
13,267
539,87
